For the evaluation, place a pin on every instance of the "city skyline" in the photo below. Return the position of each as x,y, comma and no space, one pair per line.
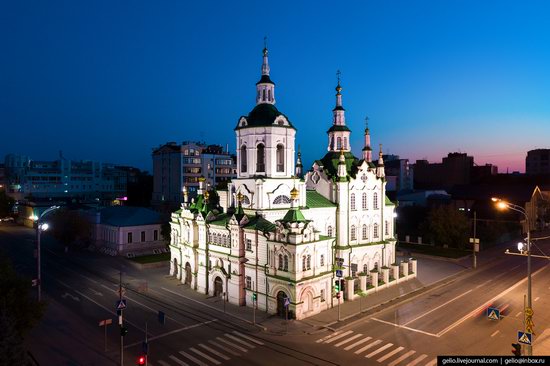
111,82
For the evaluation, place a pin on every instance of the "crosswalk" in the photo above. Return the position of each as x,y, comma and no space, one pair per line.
212,352
376,349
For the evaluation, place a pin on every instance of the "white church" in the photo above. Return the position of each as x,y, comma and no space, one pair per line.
284,242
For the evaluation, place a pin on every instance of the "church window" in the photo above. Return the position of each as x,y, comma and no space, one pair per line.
365,268
280,262
387,228
322,260
352,201
260,161
322,295
263,95
329,231
375,201
364,201
304,263
243,159
269,95
246,200
285,263
339,143
248,282
353,233
364,230
353,269
280,158
249,245
281,200
375,230
345,142
308,260
331,142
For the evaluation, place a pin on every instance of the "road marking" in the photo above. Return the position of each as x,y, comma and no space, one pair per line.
405,327
216,362
167,333
357,343
408,354
537,298
95,292
211,350
361,350
518,314
347,340
483,284
487,303
418,359
495,333
247,337
192,358
232,344
224,348
432,362
162,363
239,340
440,306
338,336
329,336
178,360
385,357
381,349
66,294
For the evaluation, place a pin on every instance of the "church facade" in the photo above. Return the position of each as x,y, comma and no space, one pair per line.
278,239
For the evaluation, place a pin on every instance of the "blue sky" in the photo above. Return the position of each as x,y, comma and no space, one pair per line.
110,80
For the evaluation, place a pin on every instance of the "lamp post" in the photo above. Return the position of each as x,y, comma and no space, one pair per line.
501,204
39,228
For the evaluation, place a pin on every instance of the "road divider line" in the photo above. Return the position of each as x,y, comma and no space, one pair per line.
405,327
440,306
495,333
486,304
149,339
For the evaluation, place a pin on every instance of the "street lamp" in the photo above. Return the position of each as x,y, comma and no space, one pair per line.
39,228
504,205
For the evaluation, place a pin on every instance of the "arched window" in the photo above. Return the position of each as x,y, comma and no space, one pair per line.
375,201
260,161
246,200
375,230
280,158
339,143
345,142
285,263
331,142
269,95
304,263
353,233
280,262
365,268
352,201
364,201
243,158
308,261
281,200
263,94
364,232
329,231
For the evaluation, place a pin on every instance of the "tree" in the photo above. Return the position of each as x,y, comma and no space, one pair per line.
6,204
70,227
446,225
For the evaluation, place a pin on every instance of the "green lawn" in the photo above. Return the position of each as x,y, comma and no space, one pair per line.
152,258
435,251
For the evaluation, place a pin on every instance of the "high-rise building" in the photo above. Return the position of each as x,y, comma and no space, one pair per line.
537,161
178,166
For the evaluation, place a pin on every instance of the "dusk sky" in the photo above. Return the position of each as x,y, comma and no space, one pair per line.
110,80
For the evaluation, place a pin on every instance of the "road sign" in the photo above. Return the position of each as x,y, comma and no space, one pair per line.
105,322
476,240
121,304
524,337
287,302
339,273
493,313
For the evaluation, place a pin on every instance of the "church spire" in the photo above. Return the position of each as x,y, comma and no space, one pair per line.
299,164
380,171
339,133
265,88
367,151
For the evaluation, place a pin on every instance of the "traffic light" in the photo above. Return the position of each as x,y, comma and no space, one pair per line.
254,296
337,286
123,331
142,360
517,349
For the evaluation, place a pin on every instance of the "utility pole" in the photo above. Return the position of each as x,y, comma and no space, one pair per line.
38,276
121,321
475,258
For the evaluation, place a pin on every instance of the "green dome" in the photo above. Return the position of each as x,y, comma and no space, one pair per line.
263,115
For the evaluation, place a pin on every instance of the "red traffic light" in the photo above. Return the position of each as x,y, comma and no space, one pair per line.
141,360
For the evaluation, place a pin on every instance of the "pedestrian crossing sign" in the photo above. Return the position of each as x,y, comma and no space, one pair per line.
524,337
493,313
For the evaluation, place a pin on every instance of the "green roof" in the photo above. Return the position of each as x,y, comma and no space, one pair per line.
389,202
315,200
263,115
294,215
338,128
330,163
221,220
260,224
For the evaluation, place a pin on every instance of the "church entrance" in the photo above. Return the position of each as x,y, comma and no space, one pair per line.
188,274
281,311
218,286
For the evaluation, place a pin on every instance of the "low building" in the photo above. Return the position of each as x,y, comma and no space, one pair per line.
128,231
